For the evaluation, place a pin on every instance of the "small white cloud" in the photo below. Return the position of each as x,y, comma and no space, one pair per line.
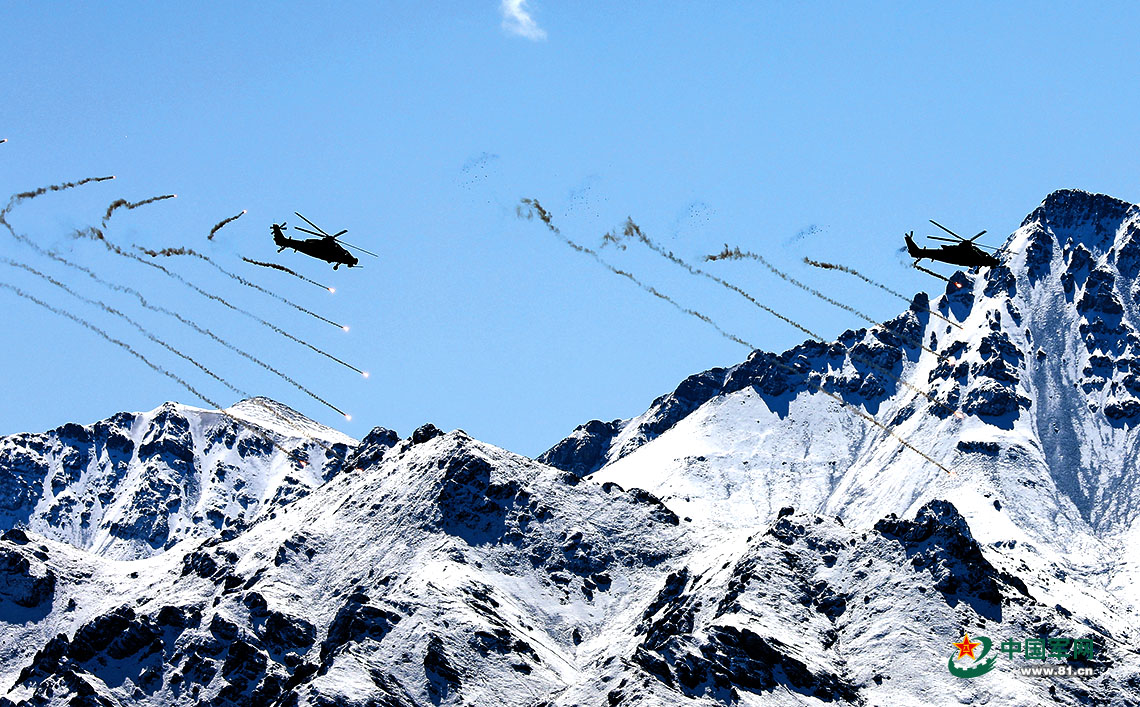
517,20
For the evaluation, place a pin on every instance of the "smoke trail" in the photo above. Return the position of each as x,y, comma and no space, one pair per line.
611,239
111,310
864,278
167,252
96,234
282,268
809,230
123,203
25,195
22,196
162,310
534,207
931,272
217,226
158,369
632,229
737,254
542,214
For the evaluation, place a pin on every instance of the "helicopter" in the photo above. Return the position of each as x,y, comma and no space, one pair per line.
963,251
324,247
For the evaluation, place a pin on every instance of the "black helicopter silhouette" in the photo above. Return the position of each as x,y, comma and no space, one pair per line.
963,251
324,247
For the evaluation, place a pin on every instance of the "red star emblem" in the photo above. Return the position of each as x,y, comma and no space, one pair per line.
966,647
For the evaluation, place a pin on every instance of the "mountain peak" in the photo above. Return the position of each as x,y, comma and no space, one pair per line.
1084,217
280,418
135,484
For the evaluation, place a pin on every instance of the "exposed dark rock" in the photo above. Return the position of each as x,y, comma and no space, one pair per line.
288,633
740,658
244,661
200,563
660,511
372,448
256,604
425,433
443,678
1073,212
1099,295
355,620
1126,409
585,450
938,541
223,628
993,400
988,448
96,635
1000,280
179,617
22,582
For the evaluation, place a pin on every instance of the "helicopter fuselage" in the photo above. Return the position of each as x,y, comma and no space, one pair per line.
964,254
326,249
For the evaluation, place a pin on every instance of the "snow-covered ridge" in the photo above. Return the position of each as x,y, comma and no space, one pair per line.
1044,366
285,421
745,541
136,483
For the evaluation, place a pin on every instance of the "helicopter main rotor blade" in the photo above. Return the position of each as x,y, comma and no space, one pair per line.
977,236
311,233
989,247
338,235
359,248
931,220
312,224
943,239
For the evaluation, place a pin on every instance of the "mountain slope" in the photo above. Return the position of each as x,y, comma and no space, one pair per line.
744,541
1032,398
135,484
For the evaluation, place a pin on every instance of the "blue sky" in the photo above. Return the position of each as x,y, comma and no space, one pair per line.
419,126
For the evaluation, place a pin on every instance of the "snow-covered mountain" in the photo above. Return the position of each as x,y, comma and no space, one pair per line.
746,540
134,485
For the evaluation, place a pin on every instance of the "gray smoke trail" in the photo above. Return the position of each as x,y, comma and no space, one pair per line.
162,310
931,272
632,230
737,254
282,268
143,330
96,234
168,252
864,278
123,203
111,310
218,226
534,207
158,369
22,196
25,195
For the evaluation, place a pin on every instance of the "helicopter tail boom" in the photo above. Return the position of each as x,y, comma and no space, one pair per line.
912,248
